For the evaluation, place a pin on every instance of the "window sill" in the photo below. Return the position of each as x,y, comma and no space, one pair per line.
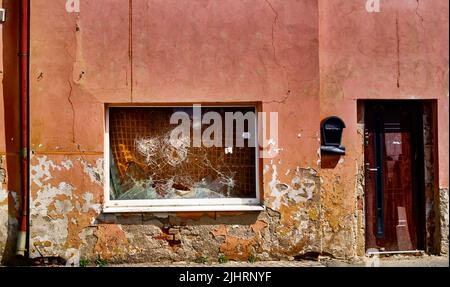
141,209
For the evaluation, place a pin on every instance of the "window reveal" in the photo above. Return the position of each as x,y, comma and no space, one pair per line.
145,164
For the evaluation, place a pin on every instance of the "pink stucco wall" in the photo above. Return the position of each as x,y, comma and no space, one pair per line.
304,59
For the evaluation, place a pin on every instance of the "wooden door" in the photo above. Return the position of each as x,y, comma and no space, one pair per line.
394,175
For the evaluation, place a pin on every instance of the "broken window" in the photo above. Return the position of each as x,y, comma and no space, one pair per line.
147,163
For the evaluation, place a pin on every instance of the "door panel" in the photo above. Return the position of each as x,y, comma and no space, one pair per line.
394,177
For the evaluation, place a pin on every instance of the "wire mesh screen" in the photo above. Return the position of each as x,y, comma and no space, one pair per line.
146,164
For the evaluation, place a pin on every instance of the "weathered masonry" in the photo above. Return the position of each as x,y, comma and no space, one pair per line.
360,162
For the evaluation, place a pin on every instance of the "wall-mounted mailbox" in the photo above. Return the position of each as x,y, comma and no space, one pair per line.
331,134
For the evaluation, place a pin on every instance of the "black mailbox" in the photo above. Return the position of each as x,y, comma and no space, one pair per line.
331,134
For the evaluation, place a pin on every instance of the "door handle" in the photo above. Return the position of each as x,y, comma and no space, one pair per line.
373,169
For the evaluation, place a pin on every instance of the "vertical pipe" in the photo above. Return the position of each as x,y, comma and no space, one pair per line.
23,62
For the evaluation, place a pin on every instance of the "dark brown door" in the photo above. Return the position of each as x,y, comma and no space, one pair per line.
394,175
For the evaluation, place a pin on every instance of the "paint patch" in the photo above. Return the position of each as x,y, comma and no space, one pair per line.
8,223
72,257
3,195
15,198
95,172
88,204
266,168
2,170
302,188
41,172
443,194
273,150
63,206
67,164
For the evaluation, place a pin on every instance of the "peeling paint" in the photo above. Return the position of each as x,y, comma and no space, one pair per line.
89,204
59,210
266,169
95,172
8,223
41,172
72,257
2,170
301,189
3,195
443,193
15,198
273,150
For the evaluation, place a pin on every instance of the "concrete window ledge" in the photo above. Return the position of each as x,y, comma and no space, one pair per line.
139,209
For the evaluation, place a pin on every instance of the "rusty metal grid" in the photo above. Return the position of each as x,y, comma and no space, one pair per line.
127,124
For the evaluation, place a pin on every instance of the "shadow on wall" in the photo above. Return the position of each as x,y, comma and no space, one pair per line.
329,161
10,75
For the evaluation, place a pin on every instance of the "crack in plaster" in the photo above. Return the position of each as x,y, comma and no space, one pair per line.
78,61
69,98
418,14
274,24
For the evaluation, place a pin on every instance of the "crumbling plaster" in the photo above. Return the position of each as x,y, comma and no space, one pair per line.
9,206
66,217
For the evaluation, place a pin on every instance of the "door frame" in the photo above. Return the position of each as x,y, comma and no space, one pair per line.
419,189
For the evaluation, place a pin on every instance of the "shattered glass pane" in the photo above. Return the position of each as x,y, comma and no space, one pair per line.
146,164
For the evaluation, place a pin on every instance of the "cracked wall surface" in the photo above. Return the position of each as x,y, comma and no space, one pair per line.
443,199
304,59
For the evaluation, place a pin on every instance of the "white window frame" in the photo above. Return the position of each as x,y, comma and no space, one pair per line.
174,205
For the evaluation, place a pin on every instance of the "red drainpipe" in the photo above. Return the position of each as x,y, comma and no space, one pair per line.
23,58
